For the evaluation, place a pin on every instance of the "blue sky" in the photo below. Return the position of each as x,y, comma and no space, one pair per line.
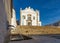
49,9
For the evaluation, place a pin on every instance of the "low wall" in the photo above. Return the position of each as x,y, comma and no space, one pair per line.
32,30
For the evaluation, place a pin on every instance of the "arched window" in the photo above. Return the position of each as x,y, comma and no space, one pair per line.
23,17
34,18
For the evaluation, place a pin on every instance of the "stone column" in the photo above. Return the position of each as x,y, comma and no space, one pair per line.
5,15
3,22
8,9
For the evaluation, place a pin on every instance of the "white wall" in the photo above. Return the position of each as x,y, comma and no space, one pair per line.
33,13
13,19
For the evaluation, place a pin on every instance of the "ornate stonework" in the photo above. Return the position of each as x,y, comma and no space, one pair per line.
30,17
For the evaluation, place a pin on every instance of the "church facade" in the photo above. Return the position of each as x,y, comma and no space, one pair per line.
29,17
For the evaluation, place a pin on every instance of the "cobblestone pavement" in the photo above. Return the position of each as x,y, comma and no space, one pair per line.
39,39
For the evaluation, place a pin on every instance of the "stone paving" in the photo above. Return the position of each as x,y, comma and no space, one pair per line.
39,39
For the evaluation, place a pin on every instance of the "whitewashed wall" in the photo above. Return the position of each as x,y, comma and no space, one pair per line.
33,13
13,19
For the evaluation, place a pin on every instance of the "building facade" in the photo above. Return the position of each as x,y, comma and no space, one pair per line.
29,17
13,20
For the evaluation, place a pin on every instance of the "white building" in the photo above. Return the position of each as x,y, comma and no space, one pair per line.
29,17
13,19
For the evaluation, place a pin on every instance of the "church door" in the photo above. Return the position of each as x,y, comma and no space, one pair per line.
29,23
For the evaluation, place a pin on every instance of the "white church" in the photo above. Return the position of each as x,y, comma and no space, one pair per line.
28,17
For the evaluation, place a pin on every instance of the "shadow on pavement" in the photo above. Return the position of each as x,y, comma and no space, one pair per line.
57,36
